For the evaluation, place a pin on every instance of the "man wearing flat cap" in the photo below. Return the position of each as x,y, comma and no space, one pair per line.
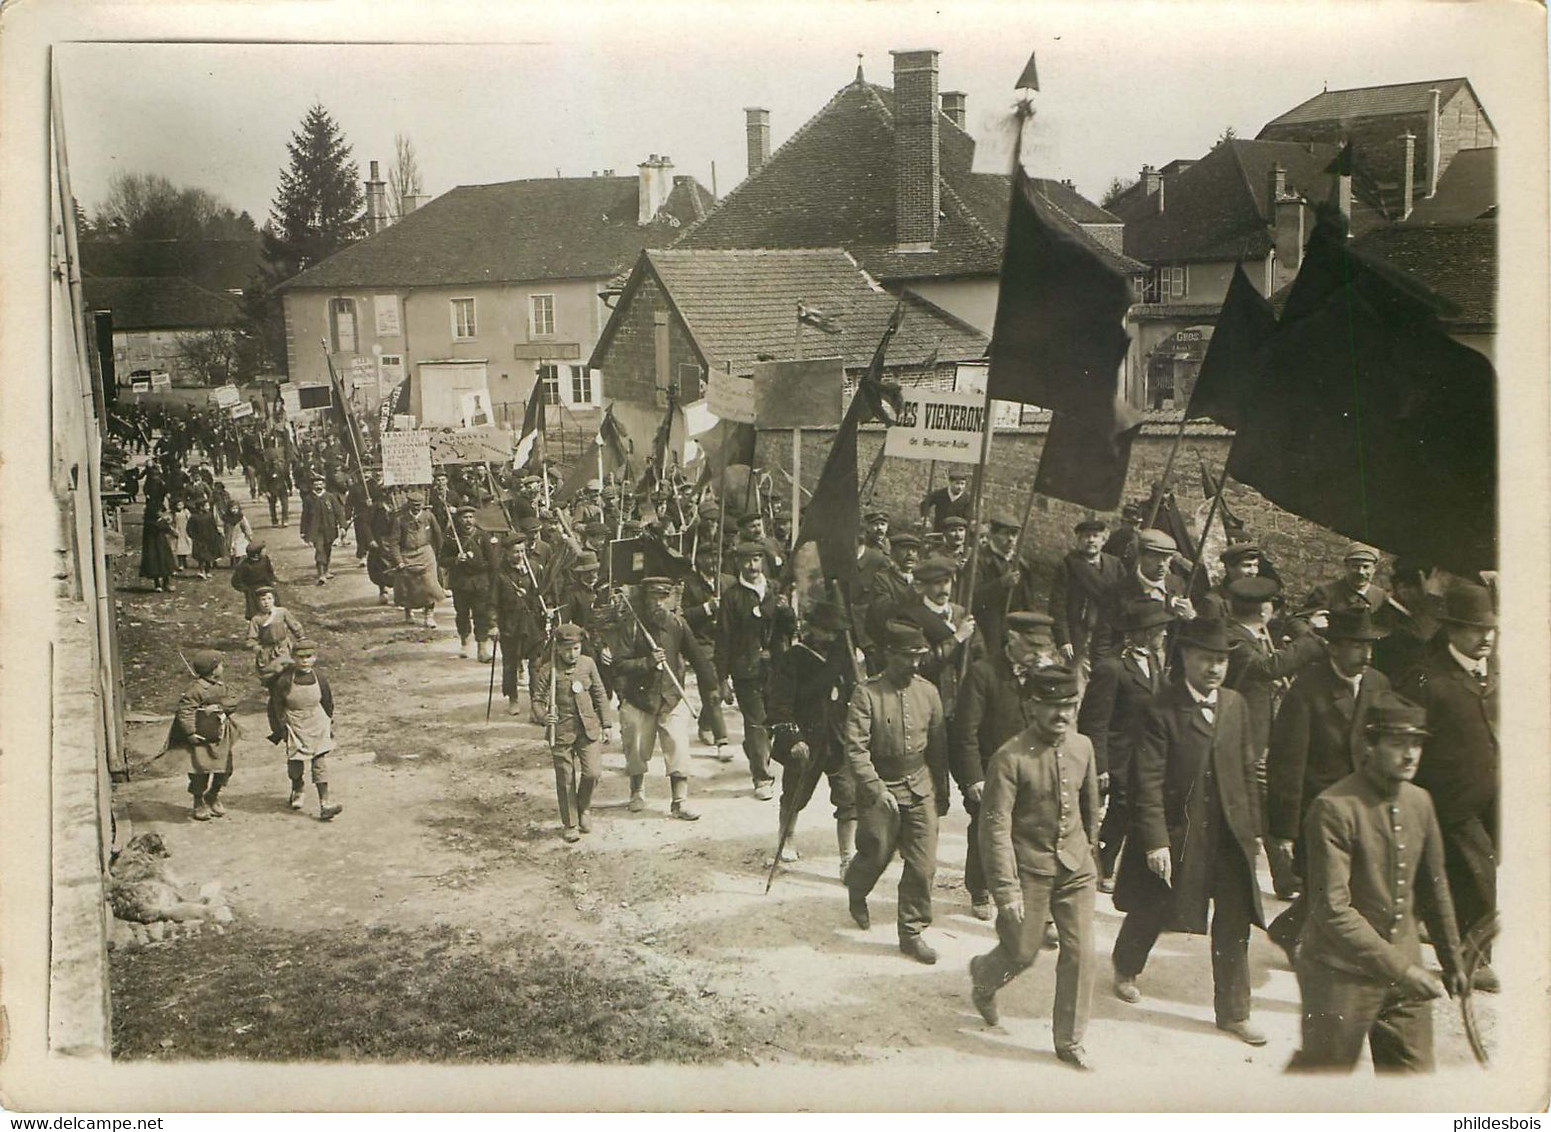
955,499
649,667
751,528
1002,578
1457,687
1119,689
1375,862
995,702
1195,831
949,630
808,696
410,553
1038,824
1122,542
896,746
469,560
956,549
1315,742
1239,560
701,605
1152,579
1354,588
519,619
755,626
891,588
1084,587
322,525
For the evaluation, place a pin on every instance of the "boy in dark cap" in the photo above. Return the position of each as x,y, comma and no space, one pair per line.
1038,825
301,716
577,722
896,746
1375,860
254,570
202,726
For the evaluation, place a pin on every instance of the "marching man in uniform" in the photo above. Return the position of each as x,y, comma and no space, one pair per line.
1373,841
577,722
897,749
1038,825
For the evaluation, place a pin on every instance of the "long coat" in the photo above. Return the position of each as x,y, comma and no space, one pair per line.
1179,758
1459,766
1111,712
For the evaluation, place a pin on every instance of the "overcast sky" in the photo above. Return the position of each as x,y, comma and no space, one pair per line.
531,91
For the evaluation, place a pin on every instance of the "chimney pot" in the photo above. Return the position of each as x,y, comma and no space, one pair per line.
652,187
756,128
917,185
374,170
953,107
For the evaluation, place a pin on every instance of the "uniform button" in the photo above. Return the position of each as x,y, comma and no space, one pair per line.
1400,845
1401,882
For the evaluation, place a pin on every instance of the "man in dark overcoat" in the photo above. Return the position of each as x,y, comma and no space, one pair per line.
1195,829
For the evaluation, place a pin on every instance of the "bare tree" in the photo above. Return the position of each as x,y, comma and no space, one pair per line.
210,356
1116,190
403,177
147,206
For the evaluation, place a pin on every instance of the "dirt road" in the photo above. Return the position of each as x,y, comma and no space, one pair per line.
451,821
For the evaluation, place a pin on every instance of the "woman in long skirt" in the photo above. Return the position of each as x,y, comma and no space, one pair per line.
157,561
206,537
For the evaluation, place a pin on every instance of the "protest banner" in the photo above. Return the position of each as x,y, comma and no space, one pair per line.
730,398
938,424
406,458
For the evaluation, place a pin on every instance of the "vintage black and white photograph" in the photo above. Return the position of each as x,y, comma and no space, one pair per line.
809,557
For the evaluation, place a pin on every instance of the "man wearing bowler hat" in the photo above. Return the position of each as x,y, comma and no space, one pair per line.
1084,586
1038,824
896,747
1457,686
1195,831
995,702
1314,743
1118,691
1375,861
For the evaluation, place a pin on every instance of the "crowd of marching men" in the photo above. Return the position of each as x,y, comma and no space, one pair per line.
1134,726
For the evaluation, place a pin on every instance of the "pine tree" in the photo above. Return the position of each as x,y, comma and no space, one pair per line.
319,206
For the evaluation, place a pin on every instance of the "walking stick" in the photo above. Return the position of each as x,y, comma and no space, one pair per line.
490,696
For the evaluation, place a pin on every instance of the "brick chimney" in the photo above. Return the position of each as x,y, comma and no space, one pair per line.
916,169
1287,222
1408,202
756,125
653,187
953,106
1434,141
1151,181
376,202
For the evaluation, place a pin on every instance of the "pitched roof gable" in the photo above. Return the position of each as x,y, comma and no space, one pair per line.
1458,262
831,184
740,305
159,303
513,231
1467,191
216,265
1369,102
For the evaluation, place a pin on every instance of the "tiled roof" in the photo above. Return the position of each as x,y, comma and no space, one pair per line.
1219,208
553,228
1457,262
1466,191
160,303
741,304
216,265
1369,102
831,184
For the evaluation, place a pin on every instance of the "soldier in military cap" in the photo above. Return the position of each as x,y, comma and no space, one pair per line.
577,722
1039,821
1375,860
469,559
649,666
897,750
1314,741
807,696
995,702
754,626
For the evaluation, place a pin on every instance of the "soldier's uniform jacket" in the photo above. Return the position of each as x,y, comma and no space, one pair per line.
1374,863
895,734
580,699
471,574
993,706
751,631
647,687
807,697
1039,813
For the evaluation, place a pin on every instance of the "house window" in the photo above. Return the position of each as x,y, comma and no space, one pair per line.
581,385
550,376
1165,284
463,324
342,325
541,316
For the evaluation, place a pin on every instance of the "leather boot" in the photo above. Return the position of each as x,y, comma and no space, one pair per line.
564,797
463,646
637,793
484,652
584,804
681,808
213,796
845,838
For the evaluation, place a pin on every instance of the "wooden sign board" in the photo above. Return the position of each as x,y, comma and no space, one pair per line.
730,398
938,424
798,394
406,458
471,446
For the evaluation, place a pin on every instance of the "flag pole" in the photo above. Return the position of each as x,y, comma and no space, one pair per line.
1211,513
1168,470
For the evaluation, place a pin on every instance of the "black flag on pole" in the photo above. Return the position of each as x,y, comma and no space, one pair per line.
1226,381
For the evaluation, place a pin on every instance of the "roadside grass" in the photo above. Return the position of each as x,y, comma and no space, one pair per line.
388,995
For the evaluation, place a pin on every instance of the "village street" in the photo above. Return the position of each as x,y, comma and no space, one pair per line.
449,832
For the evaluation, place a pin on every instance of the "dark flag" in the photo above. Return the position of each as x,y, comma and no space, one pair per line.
1227,375
1060,333
610,453
1082,466
833,517
883,399
1368,418
735,446
532,425
1029,79
812,316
